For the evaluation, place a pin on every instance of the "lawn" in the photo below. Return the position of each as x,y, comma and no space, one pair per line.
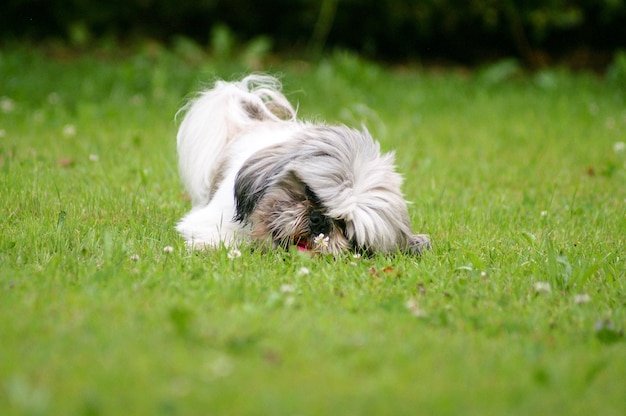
520,308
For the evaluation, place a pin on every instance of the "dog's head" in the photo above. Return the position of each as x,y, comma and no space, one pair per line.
329,190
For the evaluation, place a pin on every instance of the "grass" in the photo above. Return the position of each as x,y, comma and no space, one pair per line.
519,309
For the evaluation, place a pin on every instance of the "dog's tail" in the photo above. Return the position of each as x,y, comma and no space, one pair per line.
215,118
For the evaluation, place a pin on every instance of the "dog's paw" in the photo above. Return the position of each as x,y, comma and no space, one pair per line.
419,243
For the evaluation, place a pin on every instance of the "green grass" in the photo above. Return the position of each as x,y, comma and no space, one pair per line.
519,309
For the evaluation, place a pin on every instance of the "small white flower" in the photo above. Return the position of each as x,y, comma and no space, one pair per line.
286,288
94,158
168,249
413,306
6,104
544,213
582,298
39,116
69,130
356,255
221,367
609,123
619,147
137,100
303,271
542,287
321,241
234,253
134,257
53,98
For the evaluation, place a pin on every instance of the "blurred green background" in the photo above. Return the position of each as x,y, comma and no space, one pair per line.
575,33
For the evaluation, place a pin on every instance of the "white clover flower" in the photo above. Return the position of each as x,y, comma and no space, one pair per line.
39,116
286,288
168,249
303,271
413,306
544,213
54,98
582,298
137,100
221,367
135,257
6,104
69,130
321,242
234,253
619,147
542,287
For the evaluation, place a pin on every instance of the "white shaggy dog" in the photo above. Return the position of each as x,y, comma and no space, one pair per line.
256,173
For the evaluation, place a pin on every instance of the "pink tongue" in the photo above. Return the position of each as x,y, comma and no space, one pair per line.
302,248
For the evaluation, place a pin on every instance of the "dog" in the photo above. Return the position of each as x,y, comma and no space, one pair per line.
255,173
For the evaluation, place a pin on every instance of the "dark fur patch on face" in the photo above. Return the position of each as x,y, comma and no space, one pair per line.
259,173
289,213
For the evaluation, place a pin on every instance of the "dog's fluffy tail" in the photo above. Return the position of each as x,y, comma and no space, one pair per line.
215,118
